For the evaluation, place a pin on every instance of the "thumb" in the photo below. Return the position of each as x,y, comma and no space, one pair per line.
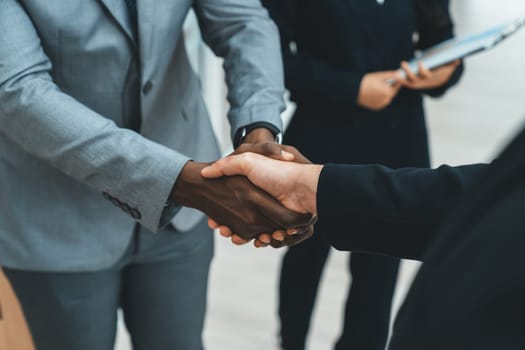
229,166
222,167
268,149
388,74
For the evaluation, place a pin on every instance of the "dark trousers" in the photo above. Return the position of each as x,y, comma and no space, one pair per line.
362,137
160,284
367,312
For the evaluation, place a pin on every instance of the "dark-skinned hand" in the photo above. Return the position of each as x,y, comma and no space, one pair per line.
234,202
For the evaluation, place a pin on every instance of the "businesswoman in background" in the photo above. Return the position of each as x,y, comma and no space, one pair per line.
339,56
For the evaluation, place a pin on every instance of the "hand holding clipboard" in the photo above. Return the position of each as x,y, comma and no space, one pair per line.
458,48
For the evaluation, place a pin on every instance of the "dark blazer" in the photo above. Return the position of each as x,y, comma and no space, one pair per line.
328,46
467,224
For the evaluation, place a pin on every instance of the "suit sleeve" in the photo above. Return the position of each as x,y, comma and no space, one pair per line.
49,124
241,32
435,25
385,211
305,75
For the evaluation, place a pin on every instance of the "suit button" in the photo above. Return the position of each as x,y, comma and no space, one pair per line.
116,202
135,214
126,208
147,87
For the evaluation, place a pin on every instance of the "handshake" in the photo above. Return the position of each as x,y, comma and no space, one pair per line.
263,192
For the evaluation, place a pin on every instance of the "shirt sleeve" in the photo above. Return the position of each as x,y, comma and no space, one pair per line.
386,211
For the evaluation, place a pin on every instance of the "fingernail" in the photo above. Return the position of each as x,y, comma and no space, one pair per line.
292,232
264,238
279,237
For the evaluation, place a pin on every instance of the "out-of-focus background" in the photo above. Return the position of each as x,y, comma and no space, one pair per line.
470,124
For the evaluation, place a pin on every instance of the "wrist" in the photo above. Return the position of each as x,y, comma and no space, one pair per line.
261,132
259,135
307,180
188,184
313,173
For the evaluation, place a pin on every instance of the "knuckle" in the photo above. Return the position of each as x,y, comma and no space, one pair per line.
292,149
242,148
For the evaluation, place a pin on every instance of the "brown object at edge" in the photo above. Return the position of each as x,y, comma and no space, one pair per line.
14,333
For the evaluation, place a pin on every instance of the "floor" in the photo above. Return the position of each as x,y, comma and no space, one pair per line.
468,125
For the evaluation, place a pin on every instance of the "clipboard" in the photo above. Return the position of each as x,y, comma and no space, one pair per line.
458,48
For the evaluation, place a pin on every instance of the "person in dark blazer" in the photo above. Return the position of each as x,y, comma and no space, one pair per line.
338,57
465,223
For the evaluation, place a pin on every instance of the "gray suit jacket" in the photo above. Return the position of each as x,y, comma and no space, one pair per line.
72,82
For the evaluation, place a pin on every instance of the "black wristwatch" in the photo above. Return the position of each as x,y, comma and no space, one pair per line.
240,135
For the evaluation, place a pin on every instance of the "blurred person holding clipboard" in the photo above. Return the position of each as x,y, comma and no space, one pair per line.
340,59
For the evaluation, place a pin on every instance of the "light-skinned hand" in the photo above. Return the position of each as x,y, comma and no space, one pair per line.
293,185
378,89
427,79
279,238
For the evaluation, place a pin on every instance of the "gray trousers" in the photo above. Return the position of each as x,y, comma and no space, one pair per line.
160,284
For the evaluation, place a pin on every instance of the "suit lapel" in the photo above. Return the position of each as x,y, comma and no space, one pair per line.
118,10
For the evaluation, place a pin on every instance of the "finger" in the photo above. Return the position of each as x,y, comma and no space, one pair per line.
268,149
394,83
279,235
258,244
423,71
264,238
294,240
394,91
449,68
400,76
293,231
238,240
275,212
297,231
454,63
281,216
304,229
225,231
276,244
410,76
212,224
298,156
231,165
387,75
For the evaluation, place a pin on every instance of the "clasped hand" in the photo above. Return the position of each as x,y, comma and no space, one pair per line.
378,89
283,173
237,206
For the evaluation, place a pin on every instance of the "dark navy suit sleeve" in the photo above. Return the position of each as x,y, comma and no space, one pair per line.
385,211
304,74
434,25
